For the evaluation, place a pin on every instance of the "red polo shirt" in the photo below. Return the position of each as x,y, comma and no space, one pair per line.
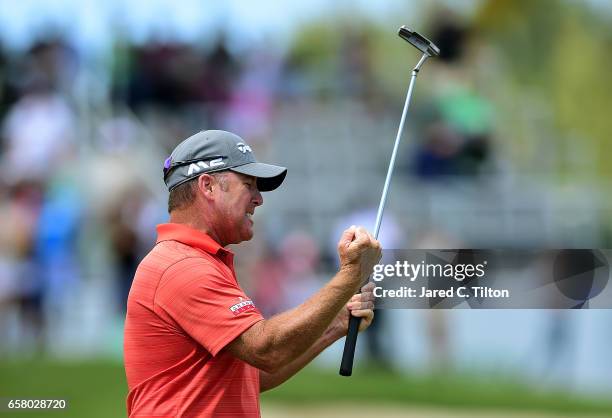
184,307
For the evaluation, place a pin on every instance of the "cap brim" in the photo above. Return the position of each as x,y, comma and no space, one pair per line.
269,176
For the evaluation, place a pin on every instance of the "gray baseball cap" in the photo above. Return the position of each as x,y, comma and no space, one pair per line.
214,151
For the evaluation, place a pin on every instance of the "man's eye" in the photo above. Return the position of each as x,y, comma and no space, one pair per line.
248,185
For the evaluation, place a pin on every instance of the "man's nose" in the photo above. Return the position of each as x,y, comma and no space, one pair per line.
258,198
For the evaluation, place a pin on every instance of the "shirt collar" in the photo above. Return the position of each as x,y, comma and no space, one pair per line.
193,238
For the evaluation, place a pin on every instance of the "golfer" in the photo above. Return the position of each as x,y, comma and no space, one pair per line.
195,344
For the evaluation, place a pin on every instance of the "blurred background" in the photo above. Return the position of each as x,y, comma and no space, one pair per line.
506,146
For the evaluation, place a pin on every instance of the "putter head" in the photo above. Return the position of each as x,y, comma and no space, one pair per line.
419,41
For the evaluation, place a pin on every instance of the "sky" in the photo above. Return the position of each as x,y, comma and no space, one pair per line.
91,22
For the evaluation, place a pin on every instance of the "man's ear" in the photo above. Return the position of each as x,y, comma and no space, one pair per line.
205,185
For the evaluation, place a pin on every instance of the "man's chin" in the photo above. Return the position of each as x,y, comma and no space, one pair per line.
247,236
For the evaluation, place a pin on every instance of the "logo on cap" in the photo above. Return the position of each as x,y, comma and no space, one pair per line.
203,165
243,148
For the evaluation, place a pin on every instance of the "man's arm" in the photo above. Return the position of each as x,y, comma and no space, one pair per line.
273,344
360,305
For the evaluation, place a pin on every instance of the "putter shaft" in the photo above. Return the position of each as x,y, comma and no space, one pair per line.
398,137
346,366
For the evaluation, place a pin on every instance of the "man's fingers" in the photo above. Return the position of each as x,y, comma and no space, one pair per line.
362,297
361,305
362,313
347,236
368,287
353,306
366,315
366,296
368,238
363,237
378,245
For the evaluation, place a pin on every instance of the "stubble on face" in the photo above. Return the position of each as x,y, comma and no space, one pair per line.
238,199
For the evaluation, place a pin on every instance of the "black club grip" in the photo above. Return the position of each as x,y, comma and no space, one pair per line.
346,366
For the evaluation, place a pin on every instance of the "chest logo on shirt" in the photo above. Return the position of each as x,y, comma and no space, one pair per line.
244,305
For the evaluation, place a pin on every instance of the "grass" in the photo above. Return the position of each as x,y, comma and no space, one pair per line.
456,391
93,389
97,389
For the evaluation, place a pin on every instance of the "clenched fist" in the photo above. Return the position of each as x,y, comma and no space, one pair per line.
359,252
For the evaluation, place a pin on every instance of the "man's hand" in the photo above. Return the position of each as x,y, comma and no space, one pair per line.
286,342
359,252
360,305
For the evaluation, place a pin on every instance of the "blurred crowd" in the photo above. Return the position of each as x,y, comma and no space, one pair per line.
67,217
80,169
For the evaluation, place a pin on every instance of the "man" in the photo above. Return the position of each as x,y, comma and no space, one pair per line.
195,344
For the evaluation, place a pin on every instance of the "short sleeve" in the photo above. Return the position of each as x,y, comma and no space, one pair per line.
207,304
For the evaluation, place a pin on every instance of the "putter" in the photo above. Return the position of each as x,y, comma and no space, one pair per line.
429,50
